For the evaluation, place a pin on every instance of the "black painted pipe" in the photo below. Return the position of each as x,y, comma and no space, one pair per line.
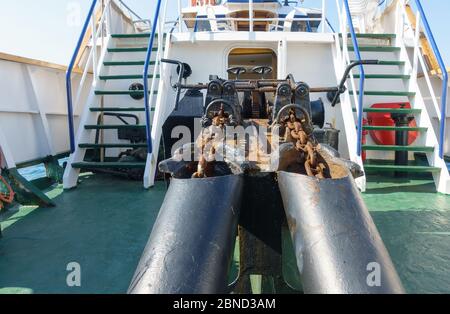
337,245
402,139
191,245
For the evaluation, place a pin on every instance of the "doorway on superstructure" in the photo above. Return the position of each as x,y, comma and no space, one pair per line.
253,64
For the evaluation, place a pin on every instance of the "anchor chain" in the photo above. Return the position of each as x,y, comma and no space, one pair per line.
301,135
220,120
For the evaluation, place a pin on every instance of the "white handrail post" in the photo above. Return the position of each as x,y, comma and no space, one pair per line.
324,15
250,14
399,26
416,49
109,29
94,46
180,19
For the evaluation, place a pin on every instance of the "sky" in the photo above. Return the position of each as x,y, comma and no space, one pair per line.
48,29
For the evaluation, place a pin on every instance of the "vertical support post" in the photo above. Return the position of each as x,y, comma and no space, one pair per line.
103,26
31,90
180,20
361,80
94,47
282,59
145,77
109,19
324,15
416,53
8,159
250,14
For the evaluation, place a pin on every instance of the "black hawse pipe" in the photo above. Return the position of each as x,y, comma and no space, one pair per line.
336,243
191,245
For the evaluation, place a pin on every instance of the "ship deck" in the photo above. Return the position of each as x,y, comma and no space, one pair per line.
104,225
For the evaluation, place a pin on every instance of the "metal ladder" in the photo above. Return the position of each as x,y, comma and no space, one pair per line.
120,65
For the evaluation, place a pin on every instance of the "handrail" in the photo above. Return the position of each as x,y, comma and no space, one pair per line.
444,76
251,19
145,78
69,76
361,81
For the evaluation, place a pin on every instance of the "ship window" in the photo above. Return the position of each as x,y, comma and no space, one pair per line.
258,26
250,58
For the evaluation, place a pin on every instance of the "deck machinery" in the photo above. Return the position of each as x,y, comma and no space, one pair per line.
271,173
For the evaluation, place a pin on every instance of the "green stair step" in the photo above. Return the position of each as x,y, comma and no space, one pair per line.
128,145
139,35
389,110
103,165
125,77
375,48
121,92
384,76
386,93
394,128
118,109
395,168
126,63
372,36
130,49
113,126
397,63
398,148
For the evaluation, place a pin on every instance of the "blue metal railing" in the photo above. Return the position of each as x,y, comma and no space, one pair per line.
444,75
69,76
145,77
361,81
330,26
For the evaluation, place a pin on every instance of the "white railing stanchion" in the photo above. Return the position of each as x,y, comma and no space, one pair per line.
180,14
416,53
324,15
94,46
250,14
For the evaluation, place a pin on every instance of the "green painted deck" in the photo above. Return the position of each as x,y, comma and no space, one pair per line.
104,225
414,222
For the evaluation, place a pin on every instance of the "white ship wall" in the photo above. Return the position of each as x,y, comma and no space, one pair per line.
33,110
310,62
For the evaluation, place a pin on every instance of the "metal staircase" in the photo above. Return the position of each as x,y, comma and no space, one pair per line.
392,80
384,81
116,104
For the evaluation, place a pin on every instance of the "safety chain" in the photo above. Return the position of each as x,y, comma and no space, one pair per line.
298,133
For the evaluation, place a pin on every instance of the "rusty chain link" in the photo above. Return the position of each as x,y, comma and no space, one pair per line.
221,119
296,132
304,143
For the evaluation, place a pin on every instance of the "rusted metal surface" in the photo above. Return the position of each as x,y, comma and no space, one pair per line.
208,142
267,87
298,130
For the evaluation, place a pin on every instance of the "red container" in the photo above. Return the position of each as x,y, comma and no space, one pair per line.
384,119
